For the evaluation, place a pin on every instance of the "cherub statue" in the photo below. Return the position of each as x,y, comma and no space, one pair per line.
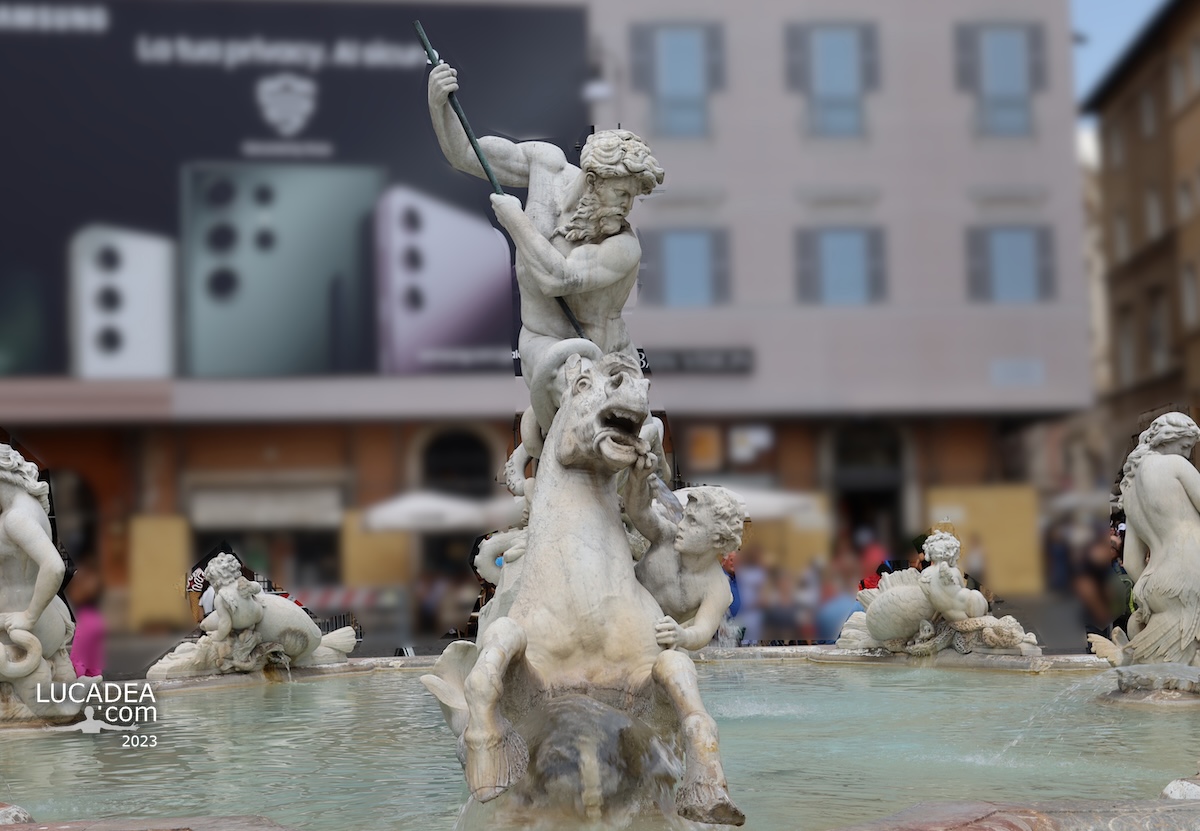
237,607
682,568
35,625
944,584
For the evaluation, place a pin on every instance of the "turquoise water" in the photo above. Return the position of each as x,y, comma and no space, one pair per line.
805,746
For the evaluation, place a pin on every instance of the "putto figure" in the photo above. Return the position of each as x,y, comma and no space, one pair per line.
1160,493
35,626
682,568
572,238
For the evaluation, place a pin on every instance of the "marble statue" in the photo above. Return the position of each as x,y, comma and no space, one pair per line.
570,618
35,625
249,630
923,612
572,697
1160,494
573,242
682,567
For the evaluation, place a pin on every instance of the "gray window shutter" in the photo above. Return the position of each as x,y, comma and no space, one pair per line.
715,53
641,55
796,49
876,265
1039,71
868,50
808,274
966,57
979,279
1047,288
650,272
720,267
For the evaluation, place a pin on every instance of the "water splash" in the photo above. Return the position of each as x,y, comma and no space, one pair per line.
1067,700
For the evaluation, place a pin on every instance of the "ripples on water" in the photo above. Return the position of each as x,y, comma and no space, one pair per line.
805,747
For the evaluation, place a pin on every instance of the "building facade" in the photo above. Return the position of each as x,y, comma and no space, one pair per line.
1148,117
861,282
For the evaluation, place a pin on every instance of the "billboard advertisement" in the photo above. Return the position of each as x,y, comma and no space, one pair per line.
224,190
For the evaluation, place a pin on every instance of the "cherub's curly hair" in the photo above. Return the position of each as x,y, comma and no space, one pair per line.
223,570
612,153
16,471
1166,428
941,546
722,510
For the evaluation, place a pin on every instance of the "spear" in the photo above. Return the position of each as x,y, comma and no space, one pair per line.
432,54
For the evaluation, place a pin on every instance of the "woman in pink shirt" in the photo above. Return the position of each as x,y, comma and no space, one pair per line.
87,649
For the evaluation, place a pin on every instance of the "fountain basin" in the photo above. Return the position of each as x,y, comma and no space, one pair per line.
807,746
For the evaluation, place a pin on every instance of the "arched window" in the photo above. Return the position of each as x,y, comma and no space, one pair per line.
458,462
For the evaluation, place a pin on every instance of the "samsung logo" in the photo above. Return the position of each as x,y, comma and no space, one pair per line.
56,19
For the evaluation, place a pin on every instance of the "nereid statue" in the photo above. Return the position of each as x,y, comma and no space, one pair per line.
35,625
1160,493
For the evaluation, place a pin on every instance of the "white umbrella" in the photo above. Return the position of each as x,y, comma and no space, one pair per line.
434,512
764,505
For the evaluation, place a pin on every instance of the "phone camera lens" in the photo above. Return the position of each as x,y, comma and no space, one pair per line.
219,193
412,259
222,238
414,298
108,299
222,283
265,239
411,219
109,339
108,259
264,194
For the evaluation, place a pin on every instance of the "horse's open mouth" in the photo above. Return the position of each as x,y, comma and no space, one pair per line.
621,425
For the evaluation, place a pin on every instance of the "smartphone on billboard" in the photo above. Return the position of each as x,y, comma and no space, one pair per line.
443,283
275,263
121,303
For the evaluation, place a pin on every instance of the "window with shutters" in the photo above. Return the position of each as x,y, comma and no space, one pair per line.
1002,65
1148,114
1189,297
833,66
1178,83
684,268
1120,238
1126,347
841,266
1158,332
1153,215
1010,264
1114,152
678,66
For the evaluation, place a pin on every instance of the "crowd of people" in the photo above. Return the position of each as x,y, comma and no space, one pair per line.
1097,577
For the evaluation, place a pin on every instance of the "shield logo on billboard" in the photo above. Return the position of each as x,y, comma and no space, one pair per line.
287,102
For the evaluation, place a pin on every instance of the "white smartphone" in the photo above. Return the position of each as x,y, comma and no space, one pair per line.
444,284
122,303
